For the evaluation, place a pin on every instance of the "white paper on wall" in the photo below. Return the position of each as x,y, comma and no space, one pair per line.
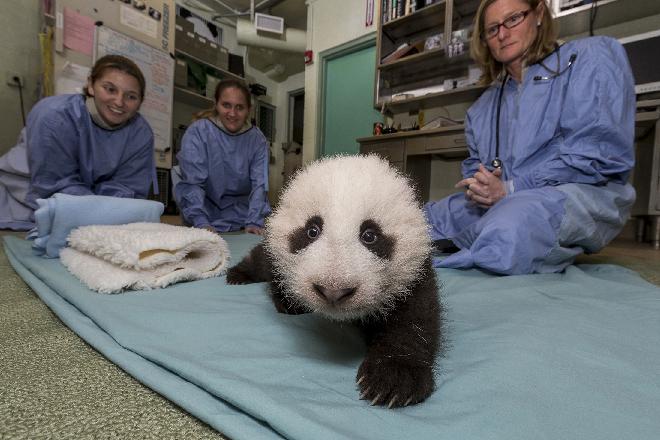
71,79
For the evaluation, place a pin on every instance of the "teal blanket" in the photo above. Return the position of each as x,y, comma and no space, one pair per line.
571,355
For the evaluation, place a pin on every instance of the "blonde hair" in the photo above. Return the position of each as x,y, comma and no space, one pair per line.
221,87
541,47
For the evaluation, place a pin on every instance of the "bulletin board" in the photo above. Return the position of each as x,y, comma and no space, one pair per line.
158,69
149,21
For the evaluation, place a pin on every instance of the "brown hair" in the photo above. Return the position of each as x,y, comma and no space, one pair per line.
543,45
221,87
116,62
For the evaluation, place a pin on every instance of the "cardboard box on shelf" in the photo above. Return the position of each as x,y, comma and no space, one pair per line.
201,48
222,58
185,42
181,73
183,24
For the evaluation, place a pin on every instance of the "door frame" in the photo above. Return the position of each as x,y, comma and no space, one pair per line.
326,56
291,95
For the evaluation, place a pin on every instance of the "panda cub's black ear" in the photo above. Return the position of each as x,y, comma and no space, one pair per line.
373,238
302,237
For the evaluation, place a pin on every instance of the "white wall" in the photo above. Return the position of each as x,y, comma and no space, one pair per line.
19,52
330,23
291,84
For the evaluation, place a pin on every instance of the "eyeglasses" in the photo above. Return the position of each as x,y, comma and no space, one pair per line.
509,23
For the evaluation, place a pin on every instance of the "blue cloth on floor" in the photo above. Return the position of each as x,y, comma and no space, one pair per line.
59,214
552,356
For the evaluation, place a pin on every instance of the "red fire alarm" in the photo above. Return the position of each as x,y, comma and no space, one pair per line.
309,57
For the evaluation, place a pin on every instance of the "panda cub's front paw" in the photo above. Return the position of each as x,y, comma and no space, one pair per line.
237,276
394,384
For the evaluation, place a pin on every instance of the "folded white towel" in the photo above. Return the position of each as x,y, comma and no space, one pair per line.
142,256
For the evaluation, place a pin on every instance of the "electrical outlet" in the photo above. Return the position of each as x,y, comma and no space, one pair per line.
14,78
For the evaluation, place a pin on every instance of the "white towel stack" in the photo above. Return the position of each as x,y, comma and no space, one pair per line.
143,256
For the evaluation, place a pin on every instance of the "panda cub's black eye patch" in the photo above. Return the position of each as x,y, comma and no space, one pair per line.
372,237
302,237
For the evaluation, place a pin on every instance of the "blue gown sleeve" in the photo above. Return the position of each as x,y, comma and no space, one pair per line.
258,201
53,155
470,165
189,192
135,174
597,123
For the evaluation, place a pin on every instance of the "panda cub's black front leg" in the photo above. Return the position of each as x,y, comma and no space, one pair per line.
398,369
254,268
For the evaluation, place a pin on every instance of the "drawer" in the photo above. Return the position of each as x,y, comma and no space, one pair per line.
439,143
391,150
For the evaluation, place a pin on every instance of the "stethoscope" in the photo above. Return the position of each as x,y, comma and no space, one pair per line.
497,162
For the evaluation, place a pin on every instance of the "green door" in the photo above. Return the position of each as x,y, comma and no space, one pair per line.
348,112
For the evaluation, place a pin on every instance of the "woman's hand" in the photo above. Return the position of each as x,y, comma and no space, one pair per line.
251,229
485,188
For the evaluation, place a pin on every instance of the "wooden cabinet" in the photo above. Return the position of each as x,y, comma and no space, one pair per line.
646,176
413,151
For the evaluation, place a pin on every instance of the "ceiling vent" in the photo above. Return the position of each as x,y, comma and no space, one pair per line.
269,23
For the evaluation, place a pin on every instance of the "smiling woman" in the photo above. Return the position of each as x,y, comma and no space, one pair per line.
116,97
93,143
224,166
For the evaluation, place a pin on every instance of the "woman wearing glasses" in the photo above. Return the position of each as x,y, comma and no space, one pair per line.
550,143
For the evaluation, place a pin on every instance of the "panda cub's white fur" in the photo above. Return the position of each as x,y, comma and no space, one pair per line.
349,241
344,192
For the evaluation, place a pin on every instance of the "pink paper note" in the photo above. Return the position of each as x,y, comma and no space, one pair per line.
78,32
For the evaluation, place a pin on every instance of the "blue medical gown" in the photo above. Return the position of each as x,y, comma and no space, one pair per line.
69,153
224,177
566,143
15,213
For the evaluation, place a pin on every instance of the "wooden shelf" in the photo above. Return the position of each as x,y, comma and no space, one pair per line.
191,98
458,128
430,100
421,56
609,12
224,73
423,66
434,58
429,17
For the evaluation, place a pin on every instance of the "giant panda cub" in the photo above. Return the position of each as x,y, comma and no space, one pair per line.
350,242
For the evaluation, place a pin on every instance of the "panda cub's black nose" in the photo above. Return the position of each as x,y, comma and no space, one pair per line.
334,296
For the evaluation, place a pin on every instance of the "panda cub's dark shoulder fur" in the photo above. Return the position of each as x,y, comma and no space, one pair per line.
349,241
